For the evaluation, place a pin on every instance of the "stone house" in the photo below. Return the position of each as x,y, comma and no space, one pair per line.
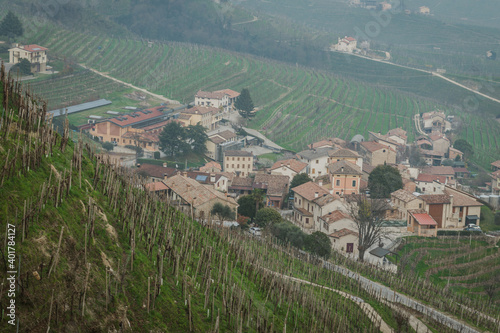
317,161
239,162
275,187
290,168
344,154
375,153
35,54
209,117
404,201
345,241
335,221
221,99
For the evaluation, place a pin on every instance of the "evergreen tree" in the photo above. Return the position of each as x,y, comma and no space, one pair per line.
11,26
197,137
299,179
23,66
244,103
173,139
384,180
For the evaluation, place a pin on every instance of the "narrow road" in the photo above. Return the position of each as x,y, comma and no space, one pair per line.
160,97
432,73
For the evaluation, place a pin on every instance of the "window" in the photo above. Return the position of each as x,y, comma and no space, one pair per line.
242,174
233,158
325,225
337,183
420,205
300,201
314,171
249,166
317,161
295,200
232,166
227,166
237,166
353,183
238,158
307,220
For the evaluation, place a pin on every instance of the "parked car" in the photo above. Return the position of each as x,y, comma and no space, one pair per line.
255,231
472,227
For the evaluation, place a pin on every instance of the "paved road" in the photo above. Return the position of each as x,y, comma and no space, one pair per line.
392,296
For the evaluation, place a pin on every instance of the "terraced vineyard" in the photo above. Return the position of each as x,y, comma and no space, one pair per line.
297,105
467,265
79,87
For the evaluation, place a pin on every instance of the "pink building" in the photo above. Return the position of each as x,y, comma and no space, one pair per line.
345,177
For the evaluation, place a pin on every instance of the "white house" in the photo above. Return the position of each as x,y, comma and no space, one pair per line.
346,44
221,99
35,54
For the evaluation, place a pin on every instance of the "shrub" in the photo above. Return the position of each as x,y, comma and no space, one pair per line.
156,155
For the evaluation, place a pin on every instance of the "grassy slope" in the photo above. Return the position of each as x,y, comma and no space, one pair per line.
194,256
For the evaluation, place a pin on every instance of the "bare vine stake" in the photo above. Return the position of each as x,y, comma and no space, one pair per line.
85,288
50,311
57,252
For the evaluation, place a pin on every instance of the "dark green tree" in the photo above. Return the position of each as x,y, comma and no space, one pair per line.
244,103
258,196
289,233
173,139
223,212
108,146
197,137
415,158
11,26
384,180
465,147
23,67
299,179
318,243
246,206
267,216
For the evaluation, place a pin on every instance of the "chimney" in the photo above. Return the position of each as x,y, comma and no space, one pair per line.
212,177
164,165
316,194
165,176
184,173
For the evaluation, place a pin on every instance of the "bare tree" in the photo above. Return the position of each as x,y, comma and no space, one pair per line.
368,216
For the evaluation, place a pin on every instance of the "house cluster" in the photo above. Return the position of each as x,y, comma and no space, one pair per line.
143,127
35,54
346,44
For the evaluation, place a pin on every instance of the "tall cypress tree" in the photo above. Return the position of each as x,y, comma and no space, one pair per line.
244,103
11,26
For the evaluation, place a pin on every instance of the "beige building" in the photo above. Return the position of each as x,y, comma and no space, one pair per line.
375,153
347,155
290,168
317,161
421,223
215,140
312,201
345,241
239,162
221,99
440,143
346,44
404,201
209,117
35,54
335,221
195,198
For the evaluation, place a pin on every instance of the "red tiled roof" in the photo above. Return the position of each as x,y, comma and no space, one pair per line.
351,39
343,232
404,195
344,168
334,216
228,92
292,164
200,110
33,48
373,146
423,219
209,94
309,189
461,198
343,152
136,117
156,186
156,171
439,170
210,165
496,164
435,198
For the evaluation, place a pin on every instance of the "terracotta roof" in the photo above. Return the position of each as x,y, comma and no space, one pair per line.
424,142
156,171
436,198
343,152
344,168
136,117
462,170
496,164
462,199
32,48
368,168
308,190
334,216
439,170
397,132
193,192
143,137
304,212
351,39
292,164
216,139
230,93
276,184
373,146
242,181
404,195
436,137
211,165
496,174
426,178
209,94
156,186
200,110
322,144
423,218
325,199
311,154
237,153
184,116
343,232
226,134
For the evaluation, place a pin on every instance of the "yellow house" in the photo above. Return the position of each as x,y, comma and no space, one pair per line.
238,161
35,54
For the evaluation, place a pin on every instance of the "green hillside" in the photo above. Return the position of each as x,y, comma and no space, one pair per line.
298,105
94,252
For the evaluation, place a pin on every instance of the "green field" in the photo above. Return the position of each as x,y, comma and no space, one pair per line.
298,105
